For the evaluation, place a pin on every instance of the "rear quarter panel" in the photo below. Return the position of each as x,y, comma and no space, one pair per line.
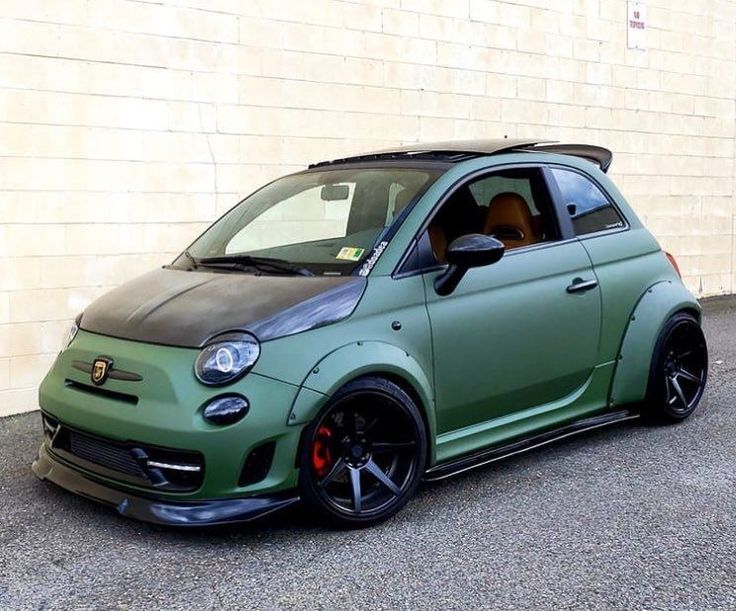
658,303
640,290
626,263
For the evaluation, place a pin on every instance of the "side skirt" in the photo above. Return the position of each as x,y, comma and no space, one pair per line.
489,455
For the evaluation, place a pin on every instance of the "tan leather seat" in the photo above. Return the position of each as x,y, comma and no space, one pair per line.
438,241
510,220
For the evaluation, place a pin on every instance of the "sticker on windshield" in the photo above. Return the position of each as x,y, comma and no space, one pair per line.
371,261
350,254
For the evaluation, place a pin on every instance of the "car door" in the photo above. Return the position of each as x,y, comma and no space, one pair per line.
524,331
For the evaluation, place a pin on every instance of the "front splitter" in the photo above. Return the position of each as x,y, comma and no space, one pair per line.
156,510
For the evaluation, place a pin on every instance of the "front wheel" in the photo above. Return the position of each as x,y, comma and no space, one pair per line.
679,370
364,455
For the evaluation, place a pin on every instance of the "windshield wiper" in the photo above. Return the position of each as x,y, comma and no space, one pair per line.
264,264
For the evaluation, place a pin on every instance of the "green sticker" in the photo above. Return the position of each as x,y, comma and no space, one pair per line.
348,253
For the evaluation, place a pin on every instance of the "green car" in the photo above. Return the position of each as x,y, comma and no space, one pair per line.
351,329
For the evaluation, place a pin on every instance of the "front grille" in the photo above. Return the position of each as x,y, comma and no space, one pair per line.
105,454
129,462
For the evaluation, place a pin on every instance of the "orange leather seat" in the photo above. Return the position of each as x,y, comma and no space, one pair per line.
438,241
510,221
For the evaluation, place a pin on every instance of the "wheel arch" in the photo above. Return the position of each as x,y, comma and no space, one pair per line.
695,312
655,306
410,390
358,360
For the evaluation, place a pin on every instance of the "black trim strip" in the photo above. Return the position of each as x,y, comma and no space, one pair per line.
104,392
82,366
524,444
564,222
126,376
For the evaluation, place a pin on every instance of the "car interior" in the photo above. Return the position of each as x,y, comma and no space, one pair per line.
512,205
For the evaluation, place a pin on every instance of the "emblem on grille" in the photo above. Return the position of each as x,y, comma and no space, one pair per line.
100,370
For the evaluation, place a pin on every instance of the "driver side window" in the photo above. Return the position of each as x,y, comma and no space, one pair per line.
512,205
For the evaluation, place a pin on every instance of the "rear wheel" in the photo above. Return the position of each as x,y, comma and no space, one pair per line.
363,457
679,370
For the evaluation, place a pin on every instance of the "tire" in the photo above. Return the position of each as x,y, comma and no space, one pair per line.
362,458
679,370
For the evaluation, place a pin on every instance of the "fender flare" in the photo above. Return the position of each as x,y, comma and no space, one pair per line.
353,361
654,307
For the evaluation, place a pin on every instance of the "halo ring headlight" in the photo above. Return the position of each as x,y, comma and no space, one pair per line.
226,358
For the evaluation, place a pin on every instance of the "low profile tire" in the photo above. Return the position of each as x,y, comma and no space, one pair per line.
363,457
679,370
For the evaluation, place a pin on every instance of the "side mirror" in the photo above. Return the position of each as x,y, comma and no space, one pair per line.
472,250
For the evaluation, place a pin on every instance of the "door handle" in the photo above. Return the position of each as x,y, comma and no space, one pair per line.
578,284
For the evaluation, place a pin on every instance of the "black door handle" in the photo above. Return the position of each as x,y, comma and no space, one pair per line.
581,285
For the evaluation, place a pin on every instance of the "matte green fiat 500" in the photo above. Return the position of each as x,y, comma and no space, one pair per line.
349,330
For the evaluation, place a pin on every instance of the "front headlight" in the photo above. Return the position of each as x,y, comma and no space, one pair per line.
226,358
71,333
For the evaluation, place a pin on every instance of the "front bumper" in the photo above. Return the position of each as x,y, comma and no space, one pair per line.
159,511
163,409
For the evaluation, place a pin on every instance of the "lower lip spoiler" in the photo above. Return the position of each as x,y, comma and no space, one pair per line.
170,513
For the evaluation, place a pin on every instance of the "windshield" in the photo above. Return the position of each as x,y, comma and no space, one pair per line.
326,222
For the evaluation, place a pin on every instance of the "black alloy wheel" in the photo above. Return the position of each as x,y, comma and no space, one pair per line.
679,369
363,457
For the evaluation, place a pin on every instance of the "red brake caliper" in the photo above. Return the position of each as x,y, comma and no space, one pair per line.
321,453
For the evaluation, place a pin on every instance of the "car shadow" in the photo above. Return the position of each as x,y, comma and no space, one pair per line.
297,520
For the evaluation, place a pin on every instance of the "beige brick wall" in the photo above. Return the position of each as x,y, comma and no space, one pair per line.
127,125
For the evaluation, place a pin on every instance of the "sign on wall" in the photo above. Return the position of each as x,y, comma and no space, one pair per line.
636,18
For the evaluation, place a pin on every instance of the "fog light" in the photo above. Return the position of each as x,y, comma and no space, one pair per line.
226,410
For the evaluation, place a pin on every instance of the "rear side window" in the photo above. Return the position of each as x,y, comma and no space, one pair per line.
589,208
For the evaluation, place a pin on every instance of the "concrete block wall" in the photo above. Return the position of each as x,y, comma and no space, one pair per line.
126,126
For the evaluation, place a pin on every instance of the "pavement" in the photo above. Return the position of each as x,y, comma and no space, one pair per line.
634,516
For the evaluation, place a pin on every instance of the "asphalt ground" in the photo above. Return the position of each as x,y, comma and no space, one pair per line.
633,516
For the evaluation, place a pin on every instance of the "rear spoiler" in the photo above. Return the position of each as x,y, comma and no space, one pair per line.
595,154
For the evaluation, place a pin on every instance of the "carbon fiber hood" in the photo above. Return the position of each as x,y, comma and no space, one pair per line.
183,308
